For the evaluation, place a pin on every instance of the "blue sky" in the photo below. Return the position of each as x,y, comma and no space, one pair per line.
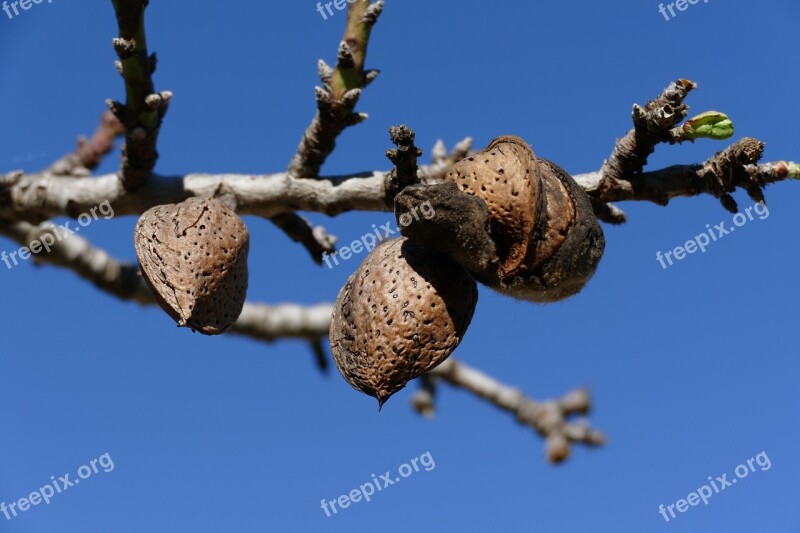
693,369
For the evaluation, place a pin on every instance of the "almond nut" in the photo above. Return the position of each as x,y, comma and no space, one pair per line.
565,252
399,315
548,240
193,256
506,176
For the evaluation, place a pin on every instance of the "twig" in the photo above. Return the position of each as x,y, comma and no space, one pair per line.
320,357
336,101
718,176
424,400
651,126
337,98
404,159
316,240
122,279
548,418
90,152
144,108
609,213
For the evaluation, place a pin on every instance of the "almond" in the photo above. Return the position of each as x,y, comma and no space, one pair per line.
506,176
547,238
193,256
399,315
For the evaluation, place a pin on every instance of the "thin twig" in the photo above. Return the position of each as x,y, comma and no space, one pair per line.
651,126
90,152
315,239
548,418
144,108
404,159
122,279
337,98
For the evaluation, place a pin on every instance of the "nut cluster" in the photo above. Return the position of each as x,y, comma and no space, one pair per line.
409,304
516,223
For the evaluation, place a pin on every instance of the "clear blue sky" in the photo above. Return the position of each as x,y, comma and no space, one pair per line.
693,369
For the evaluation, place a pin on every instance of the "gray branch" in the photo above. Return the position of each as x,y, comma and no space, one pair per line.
548,418
122,279
39,196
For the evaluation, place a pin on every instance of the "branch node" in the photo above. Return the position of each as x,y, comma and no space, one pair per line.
325,71
373,12
370,76
345,56
404,158
124,47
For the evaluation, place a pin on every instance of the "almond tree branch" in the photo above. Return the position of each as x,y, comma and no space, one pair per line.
736,166
337,98
651,126
622,176
38,196
144,108
404,159
90,152
122,279
548,418
315,239
335,103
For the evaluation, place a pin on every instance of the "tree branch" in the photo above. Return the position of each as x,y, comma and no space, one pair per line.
404,159
144,108
39,196
548,418
651,126
122,279
315,239
336,101
718,176
90,152
337,98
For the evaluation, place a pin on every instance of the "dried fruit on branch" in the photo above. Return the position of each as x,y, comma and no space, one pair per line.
399,315
564,255
193,256
507,177
547,238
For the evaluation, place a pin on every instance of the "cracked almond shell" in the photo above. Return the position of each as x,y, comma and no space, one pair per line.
548,239
506,176
193,256
567,246
402,313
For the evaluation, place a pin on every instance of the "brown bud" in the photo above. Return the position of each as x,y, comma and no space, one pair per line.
193,256
399,315
537,210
